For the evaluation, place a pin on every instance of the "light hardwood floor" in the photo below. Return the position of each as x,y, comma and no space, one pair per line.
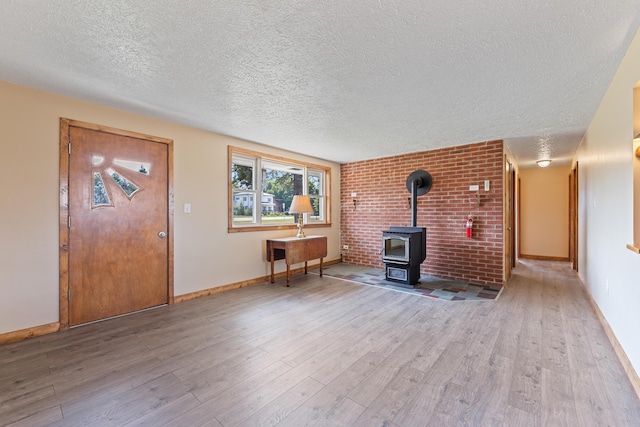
327,352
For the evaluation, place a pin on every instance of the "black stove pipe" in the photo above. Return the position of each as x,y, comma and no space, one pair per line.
414,201
418,183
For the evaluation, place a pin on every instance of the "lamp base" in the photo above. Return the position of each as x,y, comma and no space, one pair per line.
300,234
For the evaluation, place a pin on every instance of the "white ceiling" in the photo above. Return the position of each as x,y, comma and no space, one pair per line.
341,80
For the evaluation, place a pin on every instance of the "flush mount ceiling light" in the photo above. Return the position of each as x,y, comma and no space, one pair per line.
544,152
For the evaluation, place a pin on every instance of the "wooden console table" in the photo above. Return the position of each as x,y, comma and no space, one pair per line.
294,250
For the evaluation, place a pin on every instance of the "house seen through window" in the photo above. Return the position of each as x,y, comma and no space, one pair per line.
262,189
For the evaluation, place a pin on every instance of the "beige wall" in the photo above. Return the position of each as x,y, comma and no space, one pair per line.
206,255
610,271
544,214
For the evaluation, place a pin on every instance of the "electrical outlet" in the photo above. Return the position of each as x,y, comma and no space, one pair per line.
345,247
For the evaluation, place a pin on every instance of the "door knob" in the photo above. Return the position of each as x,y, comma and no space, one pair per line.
162,234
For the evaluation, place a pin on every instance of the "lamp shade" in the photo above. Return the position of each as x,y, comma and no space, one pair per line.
301,205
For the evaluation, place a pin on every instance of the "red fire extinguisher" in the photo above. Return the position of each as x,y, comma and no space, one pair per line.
469,227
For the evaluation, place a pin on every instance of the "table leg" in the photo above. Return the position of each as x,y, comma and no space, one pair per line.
287,275
305,267
320,267
272,259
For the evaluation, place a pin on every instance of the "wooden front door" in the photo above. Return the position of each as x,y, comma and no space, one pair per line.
118,242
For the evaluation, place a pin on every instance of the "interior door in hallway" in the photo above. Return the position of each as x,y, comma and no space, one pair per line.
118,206
509,221
573,217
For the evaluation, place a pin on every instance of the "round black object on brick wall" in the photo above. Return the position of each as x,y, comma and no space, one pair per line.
423,180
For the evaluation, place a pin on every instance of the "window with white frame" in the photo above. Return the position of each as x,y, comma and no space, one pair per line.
315,181
262,187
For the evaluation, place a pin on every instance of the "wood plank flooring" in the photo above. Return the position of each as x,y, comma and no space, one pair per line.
327,352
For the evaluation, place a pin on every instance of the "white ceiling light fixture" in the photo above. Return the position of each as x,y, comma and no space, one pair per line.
544,152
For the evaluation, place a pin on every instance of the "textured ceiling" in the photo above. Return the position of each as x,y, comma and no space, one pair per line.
340,80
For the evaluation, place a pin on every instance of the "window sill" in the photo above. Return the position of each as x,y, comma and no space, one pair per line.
633,248
274,227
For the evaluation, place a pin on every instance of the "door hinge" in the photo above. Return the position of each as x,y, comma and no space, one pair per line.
69,221
69,295
69,147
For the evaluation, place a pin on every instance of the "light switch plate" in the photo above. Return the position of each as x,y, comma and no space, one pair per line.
486,185
187,208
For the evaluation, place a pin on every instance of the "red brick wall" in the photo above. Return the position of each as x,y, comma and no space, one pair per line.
383,201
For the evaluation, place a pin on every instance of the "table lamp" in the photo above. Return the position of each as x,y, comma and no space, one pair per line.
300,205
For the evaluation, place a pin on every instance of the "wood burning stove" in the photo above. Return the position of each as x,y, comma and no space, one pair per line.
405,248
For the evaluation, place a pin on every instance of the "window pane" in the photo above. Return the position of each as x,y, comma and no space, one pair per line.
318,209
280,183
100,196
314,184
125,185
97,160
316,193
242,174
140,167
242,208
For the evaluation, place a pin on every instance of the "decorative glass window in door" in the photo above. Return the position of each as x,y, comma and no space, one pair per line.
125,185
139,167
100,194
